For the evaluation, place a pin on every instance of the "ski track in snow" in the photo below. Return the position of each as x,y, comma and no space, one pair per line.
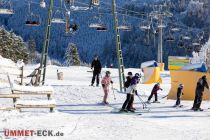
79,114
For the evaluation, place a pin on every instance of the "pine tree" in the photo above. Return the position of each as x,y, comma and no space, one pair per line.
71,56
12,46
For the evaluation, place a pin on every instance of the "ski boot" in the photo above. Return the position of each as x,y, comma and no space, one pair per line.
148,102
105,102
123,110
200,109
131,110
155,102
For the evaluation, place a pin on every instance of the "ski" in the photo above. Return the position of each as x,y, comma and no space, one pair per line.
127,113
195,110
181,106
108,105
155,102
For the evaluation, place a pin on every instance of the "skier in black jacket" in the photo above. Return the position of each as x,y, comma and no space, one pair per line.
96,64
179,94
201,84
128,102
130,85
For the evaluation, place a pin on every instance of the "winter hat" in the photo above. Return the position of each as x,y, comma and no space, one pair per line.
204,77
108,72
130,73
158,84
181,85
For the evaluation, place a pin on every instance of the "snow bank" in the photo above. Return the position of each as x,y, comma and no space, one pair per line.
201,67
152,63
32,88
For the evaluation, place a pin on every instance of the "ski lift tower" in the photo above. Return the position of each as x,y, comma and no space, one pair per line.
43,63
160,14
118,47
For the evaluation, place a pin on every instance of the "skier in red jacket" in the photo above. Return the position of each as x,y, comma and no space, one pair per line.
154,92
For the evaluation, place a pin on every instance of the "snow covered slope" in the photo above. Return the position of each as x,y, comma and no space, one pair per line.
80,116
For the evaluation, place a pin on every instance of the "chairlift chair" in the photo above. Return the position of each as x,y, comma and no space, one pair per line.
145,26
125,26
196,43
170,37
70,6
33,20
161,26
97,24
58,17
6,7
187,37
103,28
70,28
181,43
175,29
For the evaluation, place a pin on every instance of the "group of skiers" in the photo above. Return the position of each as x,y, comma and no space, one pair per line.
131,84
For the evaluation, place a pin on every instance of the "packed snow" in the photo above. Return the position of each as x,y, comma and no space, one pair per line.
33,102
80,115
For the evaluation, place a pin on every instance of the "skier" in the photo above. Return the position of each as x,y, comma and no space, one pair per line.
130,90
105,84
179,94
154,92
96,64
201,84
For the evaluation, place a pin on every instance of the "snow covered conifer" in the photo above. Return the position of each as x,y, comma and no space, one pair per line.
12,46
71,56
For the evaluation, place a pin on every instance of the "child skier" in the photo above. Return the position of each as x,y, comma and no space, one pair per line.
154,92
130,90
105,84
179,94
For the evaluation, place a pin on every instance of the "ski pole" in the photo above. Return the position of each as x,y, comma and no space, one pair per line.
143,104
113,92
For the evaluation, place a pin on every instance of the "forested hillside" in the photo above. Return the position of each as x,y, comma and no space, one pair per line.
191,17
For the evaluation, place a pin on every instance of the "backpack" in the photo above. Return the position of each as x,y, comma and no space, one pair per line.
126,84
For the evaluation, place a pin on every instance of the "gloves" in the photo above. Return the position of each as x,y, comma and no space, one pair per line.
103,85
111,82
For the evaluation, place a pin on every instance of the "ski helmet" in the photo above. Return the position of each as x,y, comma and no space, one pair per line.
137,75
130,73
108,72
